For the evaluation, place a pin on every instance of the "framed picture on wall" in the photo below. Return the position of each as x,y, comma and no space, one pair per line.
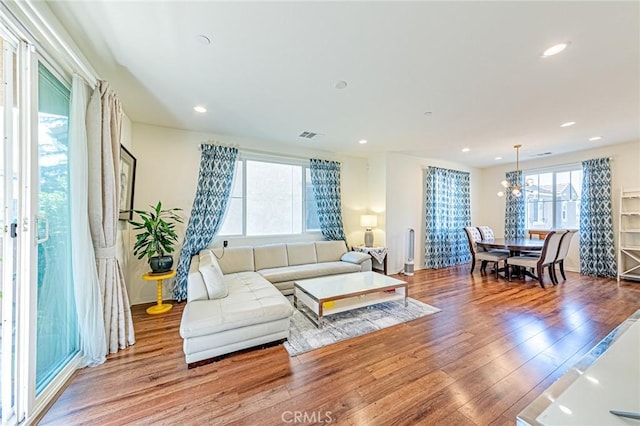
127,183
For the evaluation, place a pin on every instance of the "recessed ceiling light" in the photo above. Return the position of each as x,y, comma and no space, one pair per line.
498,158
568,124
200,109
595,138
466,149
362,141
203,39
341,84
554,50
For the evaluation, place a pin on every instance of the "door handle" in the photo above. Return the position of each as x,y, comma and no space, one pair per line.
14,230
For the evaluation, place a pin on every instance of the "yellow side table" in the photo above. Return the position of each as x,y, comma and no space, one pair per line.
160,308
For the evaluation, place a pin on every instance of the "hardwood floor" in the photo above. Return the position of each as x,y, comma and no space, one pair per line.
495,346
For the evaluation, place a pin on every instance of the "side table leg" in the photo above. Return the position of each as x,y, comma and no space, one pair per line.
159,297
159,308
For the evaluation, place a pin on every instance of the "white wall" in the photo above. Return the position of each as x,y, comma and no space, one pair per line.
377,203
167,170
625,165
405,204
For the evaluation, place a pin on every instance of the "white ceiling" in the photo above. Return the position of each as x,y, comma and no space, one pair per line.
270,71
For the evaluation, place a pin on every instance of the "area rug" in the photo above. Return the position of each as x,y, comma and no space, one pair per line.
304,336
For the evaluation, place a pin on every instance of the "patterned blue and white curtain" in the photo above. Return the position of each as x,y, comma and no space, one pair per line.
514,223
325,177
447,212
217,166
597,250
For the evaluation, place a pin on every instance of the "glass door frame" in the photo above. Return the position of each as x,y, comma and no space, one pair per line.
18,305
26,406
10,270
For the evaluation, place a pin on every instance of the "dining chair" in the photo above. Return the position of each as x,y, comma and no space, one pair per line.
538,233
546,259
486,232
473,236
565,243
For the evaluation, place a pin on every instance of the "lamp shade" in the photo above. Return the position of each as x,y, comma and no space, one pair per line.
368,220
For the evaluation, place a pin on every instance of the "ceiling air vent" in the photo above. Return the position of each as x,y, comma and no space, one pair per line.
540,154
308,135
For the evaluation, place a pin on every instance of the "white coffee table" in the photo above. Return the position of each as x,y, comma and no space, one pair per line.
318,297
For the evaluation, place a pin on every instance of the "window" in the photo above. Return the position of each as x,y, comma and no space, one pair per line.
270,198
552,198
312,220
232,224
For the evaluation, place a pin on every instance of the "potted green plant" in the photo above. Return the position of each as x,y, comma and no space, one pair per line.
157,236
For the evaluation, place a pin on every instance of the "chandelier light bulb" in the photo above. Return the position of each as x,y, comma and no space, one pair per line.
515,188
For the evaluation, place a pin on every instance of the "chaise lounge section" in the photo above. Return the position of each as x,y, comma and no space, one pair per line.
235,297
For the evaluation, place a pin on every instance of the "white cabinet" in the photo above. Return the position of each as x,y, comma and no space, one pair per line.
629,235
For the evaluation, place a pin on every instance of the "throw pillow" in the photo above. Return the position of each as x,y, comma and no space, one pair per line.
213,279
211,258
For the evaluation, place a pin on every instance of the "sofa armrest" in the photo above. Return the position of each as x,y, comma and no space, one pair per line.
355,257
196,289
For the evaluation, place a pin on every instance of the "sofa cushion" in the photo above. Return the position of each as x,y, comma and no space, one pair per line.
355,257
301,253
299,272
212,276
251,300
270,256
224,342
330,251
235,259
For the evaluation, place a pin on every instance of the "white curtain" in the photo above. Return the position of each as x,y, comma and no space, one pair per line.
104,121
93,343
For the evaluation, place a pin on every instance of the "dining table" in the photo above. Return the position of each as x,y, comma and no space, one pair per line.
514,245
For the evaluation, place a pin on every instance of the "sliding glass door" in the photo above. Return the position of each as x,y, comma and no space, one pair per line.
39,328
56,324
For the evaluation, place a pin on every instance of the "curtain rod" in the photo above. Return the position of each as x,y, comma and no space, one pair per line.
259,152
212,142
553,166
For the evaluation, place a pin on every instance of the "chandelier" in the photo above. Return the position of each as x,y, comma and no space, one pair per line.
515,188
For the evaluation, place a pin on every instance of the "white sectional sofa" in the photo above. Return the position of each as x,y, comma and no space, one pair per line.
235,297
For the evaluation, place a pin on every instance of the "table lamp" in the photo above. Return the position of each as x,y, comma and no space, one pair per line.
368,221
